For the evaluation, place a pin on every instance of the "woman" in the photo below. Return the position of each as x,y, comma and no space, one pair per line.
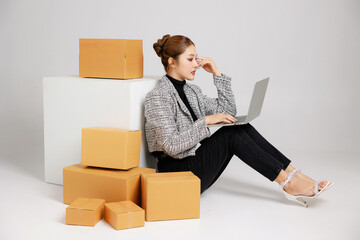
176,115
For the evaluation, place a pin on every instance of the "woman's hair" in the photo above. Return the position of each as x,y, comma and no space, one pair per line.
171,47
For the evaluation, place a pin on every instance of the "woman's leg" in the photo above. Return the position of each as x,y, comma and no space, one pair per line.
215,152
264,144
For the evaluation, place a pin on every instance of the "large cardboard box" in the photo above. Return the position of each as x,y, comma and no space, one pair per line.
124,214
110,148
109,184
167,196
85,211
111,58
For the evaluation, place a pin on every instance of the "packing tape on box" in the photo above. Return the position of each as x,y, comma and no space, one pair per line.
131,219
80,216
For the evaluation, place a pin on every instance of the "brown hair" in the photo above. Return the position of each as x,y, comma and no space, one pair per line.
171,47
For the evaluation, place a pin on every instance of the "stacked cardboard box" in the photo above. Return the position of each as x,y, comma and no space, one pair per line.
111,58
110,148
85,212
169,196
106,155
108,182
109,170
103,173
124,214
110,158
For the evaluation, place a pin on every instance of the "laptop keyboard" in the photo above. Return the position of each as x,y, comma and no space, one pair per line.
241,118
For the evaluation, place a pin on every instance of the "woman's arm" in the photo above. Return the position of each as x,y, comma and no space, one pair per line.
225,102
162,131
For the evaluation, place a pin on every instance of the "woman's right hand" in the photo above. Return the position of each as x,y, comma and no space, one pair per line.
219,118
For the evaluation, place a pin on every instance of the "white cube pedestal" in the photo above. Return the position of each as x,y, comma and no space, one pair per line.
72,103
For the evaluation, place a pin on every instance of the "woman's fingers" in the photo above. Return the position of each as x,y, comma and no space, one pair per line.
206,64
231,119
227,118
201,58
202,62
220,118
234,119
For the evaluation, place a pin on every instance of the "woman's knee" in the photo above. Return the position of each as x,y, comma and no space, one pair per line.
237,128
229,132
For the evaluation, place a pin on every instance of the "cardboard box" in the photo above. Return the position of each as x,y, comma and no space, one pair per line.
109,184
111,58
167,196
124,214
110,148
85,211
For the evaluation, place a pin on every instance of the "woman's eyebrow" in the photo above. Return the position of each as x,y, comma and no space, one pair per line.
192,54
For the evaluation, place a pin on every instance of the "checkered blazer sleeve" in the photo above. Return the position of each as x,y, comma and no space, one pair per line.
224,103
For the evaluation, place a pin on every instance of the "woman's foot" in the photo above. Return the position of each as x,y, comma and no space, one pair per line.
299,187
303,185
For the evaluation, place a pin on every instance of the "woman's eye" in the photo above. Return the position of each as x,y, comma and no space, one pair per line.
190,59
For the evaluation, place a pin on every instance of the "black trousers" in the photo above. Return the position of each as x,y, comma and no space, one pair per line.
215,153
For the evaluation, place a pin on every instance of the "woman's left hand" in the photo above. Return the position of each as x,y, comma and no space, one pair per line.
208,65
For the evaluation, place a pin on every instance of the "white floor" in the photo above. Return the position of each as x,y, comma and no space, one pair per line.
241,205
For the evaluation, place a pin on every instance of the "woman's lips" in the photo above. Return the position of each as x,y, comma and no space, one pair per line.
193,72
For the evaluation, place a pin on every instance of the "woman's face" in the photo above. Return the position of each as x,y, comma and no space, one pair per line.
184,67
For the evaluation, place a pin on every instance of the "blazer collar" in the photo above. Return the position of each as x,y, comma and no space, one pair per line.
169,85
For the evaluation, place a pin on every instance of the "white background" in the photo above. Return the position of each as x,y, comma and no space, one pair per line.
309,49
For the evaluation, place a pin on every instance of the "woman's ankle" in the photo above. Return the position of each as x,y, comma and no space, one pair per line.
281,177
289,168
299,185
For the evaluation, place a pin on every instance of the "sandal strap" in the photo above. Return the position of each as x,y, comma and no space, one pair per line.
289,178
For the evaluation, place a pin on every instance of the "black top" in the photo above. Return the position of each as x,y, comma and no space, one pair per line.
179,86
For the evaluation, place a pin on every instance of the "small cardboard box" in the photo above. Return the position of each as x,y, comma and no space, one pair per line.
85,211
167,196
109,184
110,148
110,58
124,214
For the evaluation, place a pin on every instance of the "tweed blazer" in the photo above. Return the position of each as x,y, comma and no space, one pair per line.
169,126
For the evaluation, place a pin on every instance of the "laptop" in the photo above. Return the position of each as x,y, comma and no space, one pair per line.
256,103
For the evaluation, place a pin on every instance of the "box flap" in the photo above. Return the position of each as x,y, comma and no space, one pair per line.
109,129
116,173
170,176
123,207
87,203
163,174
106,46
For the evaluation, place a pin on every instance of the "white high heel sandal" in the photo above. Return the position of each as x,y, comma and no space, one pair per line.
301,198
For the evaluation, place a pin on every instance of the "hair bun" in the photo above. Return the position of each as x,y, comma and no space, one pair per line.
158,46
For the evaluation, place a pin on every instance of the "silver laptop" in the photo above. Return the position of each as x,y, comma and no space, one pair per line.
256,103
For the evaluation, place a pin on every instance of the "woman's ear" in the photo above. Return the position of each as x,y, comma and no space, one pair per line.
171,61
